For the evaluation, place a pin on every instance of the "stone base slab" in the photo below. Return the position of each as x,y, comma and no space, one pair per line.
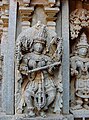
82,113
51,117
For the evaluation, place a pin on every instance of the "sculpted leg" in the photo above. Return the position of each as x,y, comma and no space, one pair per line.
51,96
30,107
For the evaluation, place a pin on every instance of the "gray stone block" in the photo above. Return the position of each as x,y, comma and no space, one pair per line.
49,117
21,117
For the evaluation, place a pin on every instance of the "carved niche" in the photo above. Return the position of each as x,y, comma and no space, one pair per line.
38,72
79,61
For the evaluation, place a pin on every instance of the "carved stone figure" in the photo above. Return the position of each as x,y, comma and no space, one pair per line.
80,74
36,67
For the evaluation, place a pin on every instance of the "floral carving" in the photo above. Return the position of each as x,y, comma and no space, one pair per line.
78,19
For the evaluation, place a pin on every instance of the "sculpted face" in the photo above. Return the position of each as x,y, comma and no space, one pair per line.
38,47
82,51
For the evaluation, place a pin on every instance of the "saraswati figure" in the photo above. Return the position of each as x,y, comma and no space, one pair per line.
80,70
38,68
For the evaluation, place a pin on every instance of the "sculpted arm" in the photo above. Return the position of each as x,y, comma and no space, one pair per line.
52,68
73,66
24,66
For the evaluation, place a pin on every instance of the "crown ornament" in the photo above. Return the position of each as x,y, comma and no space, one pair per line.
83,41
41,35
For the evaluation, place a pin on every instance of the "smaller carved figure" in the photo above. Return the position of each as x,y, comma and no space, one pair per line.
80,70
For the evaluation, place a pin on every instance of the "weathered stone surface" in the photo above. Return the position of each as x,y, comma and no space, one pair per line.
0,94
83,113
47,118
19,117
5,117
28,13
57,118
9,60
65,62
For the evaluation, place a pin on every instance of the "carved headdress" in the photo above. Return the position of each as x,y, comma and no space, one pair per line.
83,41
41,35
37,33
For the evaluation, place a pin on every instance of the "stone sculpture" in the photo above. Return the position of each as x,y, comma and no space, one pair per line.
80,73
37,60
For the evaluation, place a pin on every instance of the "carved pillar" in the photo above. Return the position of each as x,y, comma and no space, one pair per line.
4,26
65,63
8,78
4,79
28,7
51,12
25,13
1,59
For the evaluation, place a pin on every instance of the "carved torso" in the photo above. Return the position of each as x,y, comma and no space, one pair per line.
82,66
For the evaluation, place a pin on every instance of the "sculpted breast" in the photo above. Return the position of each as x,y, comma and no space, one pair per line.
31,64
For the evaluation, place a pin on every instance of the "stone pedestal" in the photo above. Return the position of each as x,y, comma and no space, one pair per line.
51,117
56,117
83,113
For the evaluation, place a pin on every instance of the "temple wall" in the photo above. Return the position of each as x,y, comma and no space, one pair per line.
69,20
